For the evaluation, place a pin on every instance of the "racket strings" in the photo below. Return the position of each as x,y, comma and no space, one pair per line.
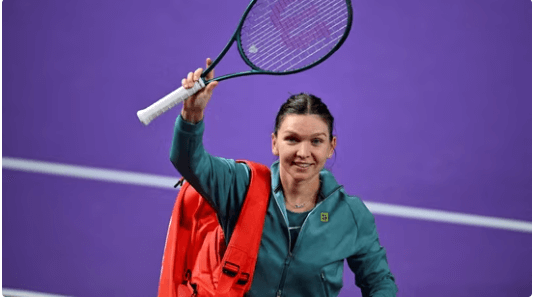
325,46
255,38
269,63
286,11
275,34
280,56
286,35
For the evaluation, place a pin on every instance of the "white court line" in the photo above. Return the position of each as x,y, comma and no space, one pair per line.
151,180
450,217
25,293
27,165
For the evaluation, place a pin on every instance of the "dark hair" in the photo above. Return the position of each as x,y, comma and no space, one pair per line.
305,104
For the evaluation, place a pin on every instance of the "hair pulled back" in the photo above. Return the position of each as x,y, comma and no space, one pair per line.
305,104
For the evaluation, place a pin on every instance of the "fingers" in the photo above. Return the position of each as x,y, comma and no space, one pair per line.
211,74
189,80
211,86
192,77
196,74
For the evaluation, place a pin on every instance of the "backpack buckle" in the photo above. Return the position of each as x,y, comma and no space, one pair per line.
180,182
187,276
230,269
243,280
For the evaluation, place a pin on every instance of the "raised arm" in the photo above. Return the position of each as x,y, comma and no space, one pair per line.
223,182
194,106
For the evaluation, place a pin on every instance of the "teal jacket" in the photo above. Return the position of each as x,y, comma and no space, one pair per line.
339,227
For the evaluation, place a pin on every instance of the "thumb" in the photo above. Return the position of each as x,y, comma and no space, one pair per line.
212,86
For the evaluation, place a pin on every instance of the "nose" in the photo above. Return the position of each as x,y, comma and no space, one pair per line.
303,150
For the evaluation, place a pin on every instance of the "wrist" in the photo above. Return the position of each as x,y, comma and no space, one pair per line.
192,116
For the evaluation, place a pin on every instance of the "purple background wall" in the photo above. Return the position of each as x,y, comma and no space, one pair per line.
432,101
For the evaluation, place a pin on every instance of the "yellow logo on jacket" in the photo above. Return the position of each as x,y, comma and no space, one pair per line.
324,216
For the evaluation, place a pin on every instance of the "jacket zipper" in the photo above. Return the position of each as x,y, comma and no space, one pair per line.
288,258
306,219
288,232
290,254
282,281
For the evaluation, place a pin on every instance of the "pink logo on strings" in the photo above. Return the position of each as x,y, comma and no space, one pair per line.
307,36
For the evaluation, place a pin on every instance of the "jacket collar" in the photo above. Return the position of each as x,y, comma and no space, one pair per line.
328,182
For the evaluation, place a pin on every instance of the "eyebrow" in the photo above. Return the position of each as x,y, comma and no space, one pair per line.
289,132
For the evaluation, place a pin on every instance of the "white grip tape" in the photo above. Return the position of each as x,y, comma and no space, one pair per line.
167,102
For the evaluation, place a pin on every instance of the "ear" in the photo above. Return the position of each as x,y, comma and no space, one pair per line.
333,145
274,145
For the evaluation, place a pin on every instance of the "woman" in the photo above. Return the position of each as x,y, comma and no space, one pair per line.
311,225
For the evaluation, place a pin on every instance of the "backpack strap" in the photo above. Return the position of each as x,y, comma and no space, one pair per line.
241,254
173,263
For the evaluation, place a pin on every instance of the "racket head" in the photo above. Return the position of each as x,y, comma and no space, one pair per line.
288,36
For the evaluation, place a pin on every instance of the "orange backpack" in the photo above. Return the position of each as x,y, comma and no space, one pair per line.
196,261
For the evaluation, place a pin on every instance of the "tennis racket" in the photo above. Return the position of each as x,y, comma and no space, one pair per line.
275,37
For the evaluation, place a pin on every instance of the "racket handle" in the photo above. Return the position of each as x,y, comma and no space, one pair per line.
170,100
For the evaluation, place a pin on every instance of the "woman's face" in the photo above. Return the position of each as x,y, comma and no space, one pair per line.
303,145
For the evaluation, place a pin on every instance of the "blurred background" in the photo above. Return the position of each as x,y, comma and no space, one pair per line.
433,111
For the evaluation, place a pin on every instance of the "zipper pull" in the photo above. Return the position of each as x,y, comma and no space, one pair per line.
279,293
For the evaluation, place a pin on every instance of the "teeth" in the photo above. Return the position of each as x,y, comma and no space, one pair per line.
303,165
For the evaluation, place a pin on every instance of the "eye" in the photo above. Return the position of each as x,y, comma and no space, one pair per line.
317,141
291,139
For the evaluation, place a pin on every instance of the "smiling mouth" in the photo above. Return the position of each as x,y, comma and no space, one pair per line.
302,165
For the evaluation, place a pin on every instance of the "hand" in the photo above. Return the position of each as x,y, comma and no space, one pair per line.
193,108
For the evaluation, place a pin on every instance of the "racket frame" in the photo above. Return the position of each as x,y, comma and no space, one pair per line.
173,98
236,37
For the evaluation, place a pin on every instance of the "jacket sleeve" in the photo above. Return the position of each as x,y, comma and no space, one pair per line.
369,263
223,182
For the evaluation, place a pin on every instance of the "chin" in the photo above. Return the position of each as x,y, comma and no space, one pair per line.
304,175
300,176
